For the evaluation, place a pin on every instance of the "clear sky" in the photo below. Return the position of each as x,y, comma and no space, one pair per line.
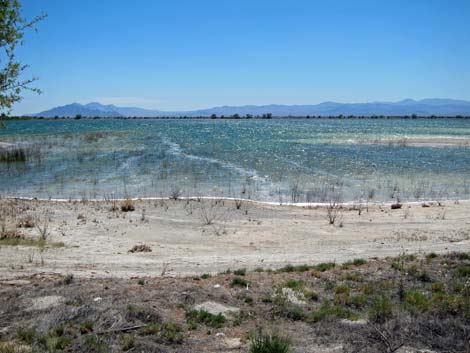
176,54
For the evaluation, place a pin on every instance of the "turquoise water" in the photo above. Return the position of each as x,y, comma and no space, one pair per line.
268,160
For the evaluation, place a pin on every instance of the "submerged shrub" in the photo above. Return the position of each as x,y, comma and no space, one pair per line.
13,155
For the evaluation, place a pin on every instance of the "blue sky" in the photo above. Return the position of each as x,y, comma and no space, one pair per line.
177,54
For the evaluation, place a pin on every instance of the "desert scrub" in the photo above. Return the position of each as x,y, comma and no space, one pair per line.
328,309
355,262
140,248
26,222
127,342
463,271
54,343
240,272
206,318
292,268
293,284
127,205
68,279
18,239
273,343
352,276
321,267
165,333
325,266
239,282
381,309
26,335
86,327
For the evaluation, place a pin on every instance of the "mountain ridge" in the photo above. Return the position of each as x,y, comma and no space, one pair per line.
427,107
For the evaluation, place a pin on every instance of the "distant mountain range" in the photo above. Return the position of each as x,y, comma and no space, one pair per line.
425,107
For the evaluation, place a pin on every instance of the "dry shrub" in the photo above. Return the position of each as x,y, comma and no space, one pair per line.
26,222
127,205
141,248
11,234
93,136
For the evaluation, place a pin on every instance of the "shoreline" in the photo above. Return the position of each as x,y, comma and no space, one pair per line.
188,238
233,199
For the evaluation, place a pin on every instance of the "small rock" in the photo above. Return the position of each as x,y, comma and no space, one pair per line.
220,334
97,299
216,308
216,286
360,322
407,349
292,296
326,349
233,343
16,282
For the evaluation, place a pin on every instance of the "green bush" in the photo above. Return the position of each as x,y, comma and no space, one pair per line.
416,301
324,266
240,272
463,271
312,296
127,341
26,335
293,284
355,262
381,309
206,318
329,310
269,344
238,282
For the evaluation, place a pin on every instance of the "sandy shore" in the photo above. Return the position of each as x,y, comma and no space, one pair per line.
97,240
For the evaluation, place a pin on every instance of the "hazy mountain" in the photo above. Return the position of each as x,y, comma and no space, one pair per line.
445,107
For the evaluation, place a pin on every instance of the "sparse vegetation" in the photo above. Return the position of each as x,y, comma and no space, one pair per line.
127,205
239,282
140,248
206,318
264,343
388,307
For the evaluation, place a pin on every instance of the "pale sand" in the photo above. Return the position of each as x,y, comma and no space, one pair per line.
4,145
417,142
257,235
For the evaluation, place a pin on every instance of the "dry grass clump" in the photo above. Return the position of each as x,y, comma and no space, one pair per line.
26,222
14,347
141,248
93,136
10,234
127,205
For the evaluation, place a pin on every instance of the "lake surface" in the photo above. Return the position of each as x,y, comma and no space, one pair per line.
268,160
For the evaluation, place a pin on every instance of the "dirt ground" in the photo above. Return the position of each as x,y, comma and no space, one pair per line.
191,237
408,304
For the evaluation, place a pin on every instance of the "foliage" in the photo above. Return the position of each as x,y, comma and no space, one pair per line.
269,344
12,28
